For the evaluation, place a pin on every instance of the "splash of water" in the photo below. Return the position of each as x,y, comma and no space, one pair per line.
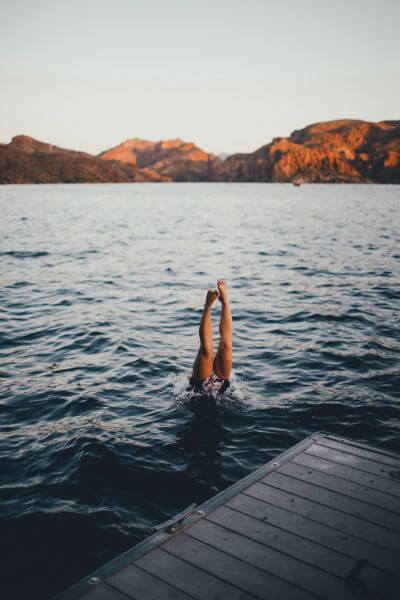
183,392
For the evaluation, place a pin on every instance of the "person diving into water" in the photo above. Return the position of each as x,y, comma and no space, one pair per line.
211,374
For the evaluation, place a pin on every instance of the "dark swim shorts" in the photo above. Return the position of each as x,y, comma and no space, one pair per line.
212,386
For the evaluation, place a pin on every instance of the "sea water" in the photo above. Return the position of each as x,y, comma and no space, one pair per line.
102,288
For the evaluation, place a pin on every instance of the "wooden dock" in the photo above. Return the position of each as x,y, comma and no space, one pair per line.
321,520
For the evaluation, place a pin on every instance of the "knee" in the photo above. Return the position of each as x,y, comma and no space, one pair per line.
207,350
226,345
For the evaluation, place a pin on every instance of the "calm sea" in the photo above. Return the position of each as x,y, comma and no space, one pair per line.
101,293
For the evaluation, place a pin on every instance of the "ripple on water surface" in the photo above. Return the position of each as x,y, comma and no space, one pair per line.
100,303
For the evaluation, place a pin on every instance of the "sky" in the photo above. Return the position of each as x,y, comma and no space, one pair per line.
228,75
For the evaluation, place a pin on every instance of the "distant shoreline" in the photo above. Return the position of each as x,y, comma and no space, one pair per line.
341,151
160,183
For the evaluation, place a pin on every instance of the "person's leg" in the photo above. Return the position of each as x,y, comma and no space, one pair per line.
223,359
203,365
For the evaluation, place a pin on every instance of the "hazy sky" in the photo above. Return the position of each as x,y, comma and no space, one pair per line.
228,75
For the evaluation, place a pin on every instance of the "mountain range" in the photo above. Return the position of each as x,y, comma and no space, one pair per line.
341,151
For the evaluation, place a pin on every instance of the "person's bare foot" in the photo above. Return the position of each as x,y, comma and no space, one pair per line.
223,291
211,297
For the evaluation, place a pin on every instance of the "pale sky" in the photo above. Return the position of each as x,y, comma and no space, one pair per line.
228,75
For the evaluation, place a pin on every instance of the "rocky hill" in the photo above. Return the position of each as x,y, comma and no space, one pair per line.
330,152
174,160
26,160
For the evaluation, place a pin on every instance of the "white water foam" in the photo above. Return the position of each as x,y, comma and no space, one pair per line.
183,392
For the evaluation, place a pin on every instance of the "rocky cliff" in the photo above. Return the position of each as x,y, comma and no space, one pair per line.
26,160
174,160
330,152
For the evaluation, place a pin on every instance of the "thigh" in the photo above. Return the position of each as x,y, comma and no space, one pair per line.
223,361
203,365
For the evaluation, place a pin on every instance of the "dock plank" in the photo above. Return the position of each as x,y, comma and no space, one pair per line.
294,479
188,578
303,549
297,572
363,464
327,515
241,574
323,534
139,585
351,481
376,455
281,540
104,592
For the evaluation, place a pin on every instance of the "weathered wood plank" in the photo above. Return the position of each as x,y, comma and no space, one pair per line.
279,516
363,464
327,515
104,592
352,448
352,481
304,549
241,574
281,540
296,480
139,585
274,562
337,438
188,578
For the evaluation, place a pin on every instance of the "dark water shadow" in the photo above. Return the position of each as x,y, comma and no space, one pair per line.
201,441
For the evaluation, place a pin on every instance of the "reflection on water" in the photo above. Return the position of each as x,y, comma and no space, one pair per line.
101,296
201,444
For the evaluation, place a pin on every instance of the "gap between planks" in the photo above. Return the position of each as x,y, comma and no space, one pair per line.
352,447
357,462
347,475
298,524
284,478
306,550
